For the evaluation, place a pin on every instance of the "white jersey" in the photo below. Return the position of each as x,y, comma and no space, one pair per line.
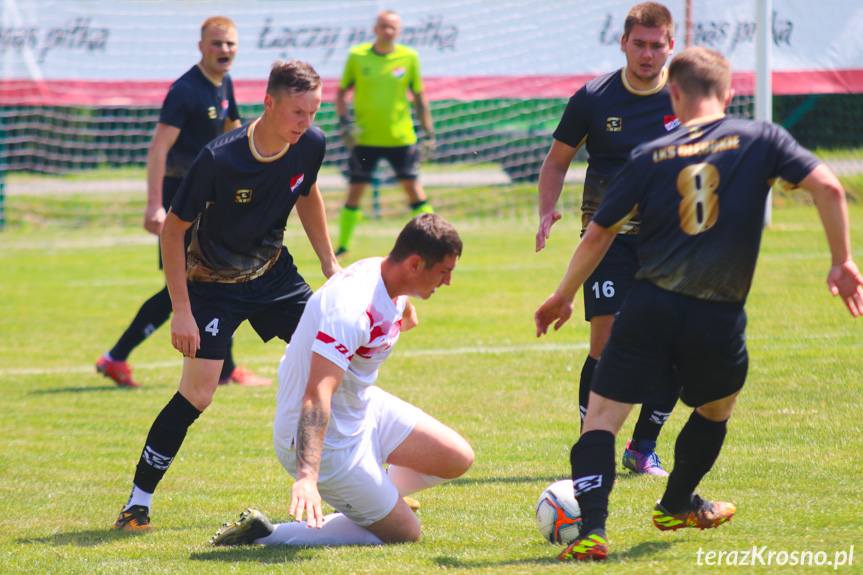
352,322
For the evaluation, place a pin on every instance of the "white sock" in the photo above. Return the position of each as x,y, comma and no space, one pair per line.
408,481
337,530
139,497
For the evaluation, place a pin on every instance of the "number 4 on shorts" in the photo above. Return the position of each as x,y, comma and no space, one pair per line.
213,327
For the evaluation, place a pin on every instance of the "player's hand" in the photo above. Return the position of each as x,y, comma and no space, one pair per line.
154,218
545,223
184,334
554,308
331,268
410,319
305,498
427,147
347,132
845,281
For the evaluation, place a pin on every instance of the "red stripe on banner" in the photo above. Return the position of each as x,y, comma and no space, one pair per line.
151,93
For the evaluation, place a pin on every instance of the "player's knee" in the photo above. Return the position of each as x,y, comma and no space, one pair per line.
461,460
401,526
410,535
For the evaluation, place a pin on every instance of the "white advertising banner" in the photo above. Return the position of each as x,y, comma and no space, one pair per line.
128,51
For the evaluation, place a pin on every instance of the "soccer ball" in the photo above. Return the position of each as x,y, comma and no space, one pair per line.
558,515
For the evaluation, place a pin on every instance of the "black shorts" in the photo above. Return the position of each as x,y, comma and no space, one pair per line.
273,304
613,278
704,343
364,160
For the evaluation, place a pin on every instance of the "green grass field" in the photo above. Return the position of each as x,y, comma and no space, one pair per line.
71,439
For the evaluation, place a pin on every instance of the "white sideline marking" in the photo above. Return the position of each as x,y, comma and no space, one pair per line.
475,350
765,344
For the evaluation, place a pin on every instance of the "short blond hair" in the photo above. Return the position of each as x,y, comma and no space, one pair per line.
699,71
220,22
649,15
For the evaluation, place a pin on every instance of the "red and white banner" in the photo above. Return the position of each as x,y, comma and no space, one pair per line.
127,52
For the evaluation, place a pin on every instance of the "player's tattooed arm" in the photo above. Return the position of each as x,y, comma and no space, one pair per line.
324,379
311,430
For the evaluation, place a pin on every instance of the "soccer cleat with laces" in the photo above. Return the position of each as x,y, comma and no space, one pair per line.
594,547
244,377
702,514
252,525
643,462
136,519
119,371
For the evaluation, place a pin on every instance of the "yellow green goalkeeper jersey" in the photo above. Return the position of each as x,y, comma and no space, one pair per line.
381,106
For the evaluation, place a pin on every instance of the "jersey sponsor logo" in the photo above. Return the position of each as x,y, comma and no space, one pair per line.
212,113
584,484
399,72
613,124
671,122
339,347
243,196
297,181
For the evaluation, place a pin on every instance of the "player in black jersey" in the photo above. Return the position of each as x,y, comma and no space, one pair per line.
199,106
611,115
236,199
701,193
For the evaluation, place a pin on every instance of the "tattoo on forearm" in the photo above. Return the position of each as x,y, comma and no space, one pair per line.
310,436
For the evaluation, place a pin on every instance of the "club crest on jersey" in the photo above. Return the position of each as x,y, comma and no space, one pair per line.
399,72
212,113
224,104
297,181
243,196
613,124
671,122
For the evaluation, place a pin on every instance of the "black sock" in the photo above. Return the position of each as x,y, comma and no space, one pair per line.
164,441
153,313
592,460
584,385
229,365
695,452
654,414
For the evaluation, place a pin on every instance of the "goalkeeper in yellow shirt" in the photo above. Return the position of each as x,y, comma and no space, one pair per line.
380,75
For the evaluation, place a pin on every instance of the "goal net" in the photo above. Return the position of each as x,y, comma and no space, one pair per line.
83,81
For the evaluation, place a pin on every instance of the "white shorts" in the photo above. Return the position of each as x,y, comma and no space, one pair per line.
353,480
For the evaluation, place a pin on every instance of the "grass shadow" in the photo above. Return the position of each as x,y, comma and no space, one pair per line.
89,538
267,555
642,550
455,563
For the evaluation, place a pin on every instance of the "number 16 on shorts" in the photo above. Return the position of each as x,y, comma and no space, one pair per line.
603,289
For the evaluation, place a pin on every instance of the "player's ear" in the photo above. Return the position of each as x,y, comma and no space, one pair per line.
623,43
729,96
674,91
415,263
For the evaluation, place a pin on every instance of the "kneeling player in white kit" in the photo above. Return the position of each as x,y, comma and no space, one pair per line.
334,429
